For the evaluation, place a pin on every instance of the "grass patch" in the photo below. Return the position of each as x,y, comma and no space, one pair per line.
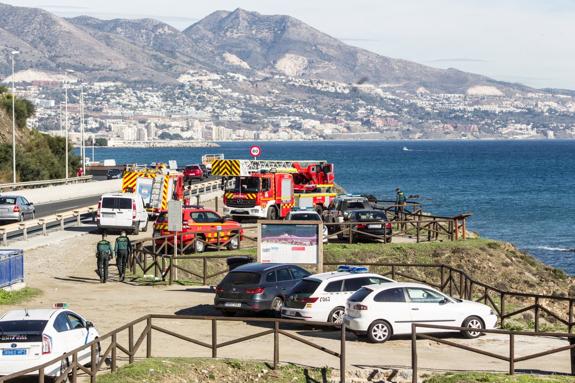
164,370
18,296
479,377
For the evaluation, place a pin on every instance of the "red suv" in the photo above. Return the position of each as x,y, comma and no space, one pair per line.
206,224
192,172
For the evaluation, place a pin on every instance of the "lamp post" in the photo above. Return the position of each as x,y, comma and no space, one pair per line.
82,147
13,53
66,123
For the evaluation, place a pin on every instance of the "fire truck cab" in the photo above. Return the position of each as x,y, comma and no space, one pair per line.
270,189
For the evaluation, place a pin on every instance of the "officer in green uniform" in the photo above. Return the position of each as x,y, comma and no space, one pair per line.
400,201
103,255
123,249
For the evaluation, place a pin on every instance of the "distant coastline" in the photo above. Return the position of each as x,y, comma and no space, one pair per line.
162,144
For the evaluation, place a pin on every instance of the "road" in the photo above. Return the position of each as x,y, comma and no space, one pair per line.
47,209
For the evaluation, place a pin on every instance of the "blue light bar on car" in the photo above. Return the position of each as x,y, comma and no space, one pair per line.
352,269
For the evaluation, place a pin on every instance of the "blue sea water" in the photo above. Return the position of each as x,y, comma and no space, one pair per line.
517,191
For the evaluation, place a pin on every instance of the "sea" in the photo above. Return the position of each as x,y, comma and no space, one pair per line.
522,192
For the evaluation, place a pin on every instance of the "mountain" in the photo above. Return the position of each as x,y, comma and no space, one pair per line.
240,41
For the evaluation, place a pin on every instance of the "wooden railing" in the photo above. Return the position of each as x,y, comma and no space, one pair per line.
108,348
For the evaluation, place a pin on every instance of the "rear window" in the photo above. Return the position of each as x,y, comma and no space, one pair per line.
241,278
7,201
390,295
22,330
356,205
306,286
116,203
360,294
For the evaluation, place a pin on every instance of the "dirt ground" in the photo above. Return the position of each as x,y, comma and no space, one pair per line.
62,265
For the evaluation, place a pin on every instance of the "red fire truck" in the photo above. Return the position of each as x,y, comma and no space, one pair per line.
270,189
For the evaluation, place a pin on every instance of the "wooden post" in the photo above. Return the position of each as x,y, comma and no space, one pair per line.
418,228
463,225
511,354
413,354
131,344
456,229
502,307
75,369
572,354
114,346
41,375
149,337
204,271
276,344
461,286
217,199
350,233
342,354
214,338
441,271
570,325
93,363
536,314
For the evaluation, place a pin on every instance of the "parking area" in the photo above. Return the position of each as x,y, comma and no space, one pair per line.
63,266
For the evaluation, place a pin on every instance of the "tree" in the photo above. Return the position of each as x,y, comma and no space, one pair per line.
101,142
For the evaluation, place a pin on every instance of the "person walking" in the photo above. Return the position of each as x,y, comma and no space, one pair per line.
123,249
103,256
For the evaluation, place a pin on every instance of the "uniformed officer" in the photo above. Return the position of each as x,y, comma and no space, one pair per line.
123,249
400,201
103,255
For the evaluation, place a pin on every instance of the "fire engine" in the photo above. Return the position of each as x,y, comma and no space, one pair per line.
155,186
270,189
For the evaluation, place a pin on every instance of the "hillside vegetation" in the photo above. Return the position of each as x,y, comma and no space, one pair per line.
38,156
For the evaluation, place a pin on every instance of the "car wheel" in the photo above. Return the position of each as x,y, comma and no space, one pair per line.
200,245
136,230
277,305
272,213
475,323
336,315
21,217
379,331
234,242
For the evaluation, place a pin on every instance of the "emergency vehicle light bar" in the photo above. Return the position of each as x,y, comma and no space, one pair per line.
352,269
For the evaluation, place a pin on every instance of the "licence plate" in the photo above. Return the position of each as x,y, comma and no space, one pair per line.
108,214
232,304
374,226
14,351
290,313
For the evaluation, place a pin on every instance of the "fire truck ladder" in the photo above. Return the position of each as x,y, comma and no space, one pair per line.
247,167
156,197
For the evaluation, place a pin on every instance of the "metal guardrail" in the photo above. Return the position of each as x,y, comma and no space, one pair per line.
44,223
511,356
42,183
100,353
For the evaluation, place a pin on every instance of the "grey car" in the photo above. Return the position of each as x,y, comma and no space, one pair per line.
257,287
15,208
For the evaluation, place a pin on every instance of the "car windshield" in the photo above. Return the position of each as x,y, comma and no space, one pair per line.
305,217
22,330
360,294
306,286
7,200
244,185
369,216
241,278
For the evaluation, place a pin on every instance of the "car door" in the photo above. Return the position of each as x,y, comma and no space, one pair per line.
78,336
285,281
25,206
392,306
428,306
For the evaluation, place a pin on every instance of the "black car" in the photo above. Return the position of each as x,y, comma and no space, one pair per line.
257,287
114,174
369,225
340,208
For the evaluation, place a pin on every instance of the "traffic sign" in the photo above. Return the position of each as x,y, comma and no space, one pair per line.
255,151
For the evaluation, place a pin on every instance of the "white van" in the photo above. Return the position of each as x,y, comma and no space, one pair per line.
122,211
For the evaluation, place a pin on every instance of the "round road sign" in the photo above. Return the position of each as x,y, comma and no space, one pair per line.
255,151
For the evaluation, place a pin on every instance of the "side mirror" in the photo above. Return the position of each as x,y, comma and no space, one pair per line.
444,301
30,203
89,324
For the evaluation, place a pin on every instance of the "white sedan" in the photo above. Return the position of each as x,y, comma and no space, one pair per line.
380,311
29,338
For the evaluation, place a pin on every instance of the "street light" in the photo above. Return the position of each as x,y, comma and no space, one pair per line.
82,147
66,117
13,53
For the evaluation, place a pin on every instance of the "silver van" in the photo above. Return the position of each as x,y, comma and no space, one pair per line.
122,211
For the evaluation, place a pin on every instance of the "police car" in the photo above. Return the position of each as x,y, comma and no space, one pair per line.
322,297
29,338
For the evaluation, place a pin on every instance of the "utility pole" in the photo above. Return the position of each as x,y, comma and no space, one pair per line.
14,53
66,122
82,147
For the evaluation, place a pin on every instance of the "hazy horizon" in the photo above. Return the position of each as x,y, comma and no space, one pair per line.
515,41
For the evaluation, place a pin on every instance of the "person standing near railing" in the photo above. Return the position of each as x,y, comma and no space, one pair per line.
123,249
103,255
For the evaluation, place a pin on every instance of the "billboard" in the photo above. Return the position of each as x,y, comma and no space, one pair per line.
290,242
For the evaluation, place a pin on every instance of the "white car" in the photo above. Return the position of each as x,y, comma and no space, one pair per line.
322,297
30,338
381,311
307,215
122,211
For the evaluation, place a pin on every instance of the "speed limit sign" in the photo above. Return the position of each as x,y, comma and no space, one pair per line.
255,151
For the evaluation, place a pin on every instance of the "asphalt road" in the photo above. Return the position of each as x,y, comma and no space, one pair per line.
62,206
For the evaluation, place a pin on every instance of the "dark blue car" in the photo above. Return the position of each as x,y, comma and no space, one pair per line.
257,287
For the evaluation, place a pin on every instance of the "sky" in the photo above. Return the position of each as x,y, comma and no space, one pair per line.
524,41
